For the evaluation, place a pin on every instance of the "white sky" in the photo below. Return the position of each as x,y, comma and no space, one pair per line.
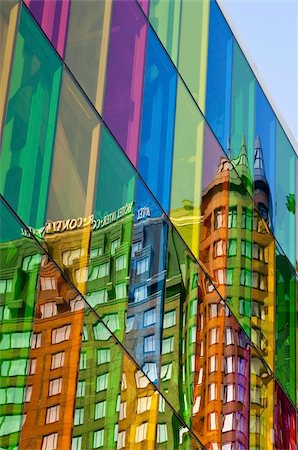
268,29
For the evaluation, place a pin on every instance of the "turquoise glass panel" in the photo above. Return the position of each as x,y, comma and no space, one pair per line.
158,115
29,130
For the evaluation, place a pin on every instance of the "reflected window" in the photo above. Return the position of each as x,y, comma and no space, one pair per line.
94,252
169,319
61,334
102,382
122,410
166,372
82,275
57,360
32,367
121,440
209,285
77,304
219,248
197,404
69,256
28,394
228,422
114,245
136,247
48,310
85,334
140,293
83,361
29,262
50,442
213,363
212,392
246,219
149,317
258,252
212,421
36,340
214,336
47,283
120,263
55,386
100,271
130,323
103,356
241,393
149,344
232,218
246,249
244,307
141,432
230,277
81,388
144,404
76,443
14,367
232,247
229,366
229,393
100,410
221,275
120,290
245,277
162,433
97,297
98,438
161,404
53,414
213,310
219,218
193,309
229,336
200,376
241,365
142,265
168,345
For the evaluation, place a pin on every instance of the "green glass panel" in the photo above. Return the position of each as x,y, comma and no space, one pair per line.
164,16
187,169
285,194
193,47
285,325
242,111
20,258
30,123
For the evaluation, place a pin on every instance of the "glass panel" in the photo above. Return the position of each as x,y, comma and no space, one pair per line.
214,210
147,283
87,46
284,421
157,135
187,169
243,111
164,17
123,96
285,324
30,123
54,361
285,194
219,76
261,405
144,4
193,47
8,22
70,203
52,16
109,266
265,158
20,258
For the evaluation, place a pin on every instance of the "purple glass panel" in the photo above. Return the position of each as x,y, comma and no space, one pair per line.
125,73
144,4
284,421
52,16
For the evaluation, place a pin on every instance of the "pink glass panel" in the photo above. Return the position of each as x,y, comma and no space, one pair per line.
145,6
284,421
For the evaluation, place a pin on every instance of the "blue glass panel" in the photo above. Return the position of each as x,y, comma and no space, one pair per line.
147,281
156,147
219,75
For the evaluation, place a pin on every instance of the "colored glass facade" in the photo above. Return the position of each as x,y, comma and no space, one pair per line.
148,294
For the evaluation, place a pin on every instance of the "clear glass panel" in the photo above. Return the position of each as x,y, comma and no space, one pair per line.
147,283
164,17
8,23
187,169
123,95
20,258
285,324
87,46
219,76
52,16
29,131
193,47
158,115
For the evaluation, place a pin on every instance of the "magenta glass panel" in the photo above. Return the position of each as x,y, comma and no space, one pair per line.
144,4
284,421
52,16
125,73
